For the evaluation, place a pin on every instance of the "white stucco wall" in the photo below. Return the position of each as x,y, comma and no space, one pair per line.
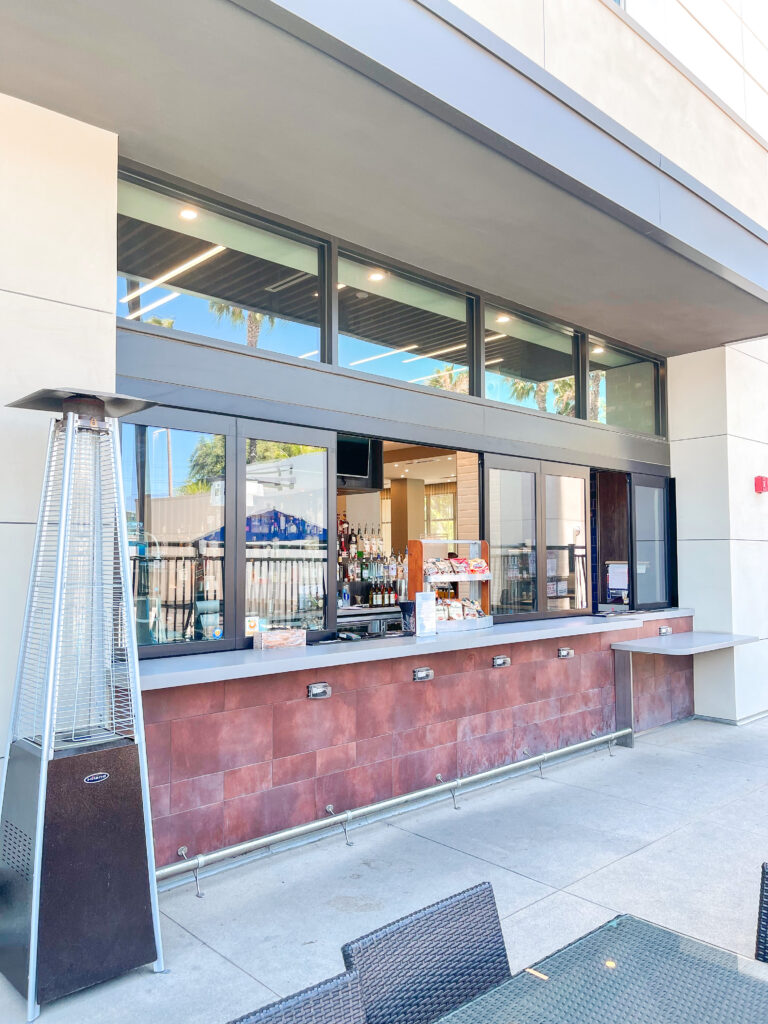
58,181
718,422
591,46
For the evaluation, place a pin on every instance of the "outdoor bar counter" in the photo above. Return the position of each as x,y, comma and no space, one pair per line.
237,750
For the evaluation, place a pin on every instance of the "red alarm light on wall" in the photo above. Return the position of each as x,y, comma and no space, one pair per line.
761,484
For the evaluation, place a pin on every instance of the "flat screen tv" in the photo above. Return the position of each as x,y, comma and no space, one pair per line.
353,456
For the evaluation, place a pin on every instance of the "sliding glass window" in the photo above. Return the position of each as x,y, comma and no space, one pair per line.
622,388
567,540
175,498
399,327
186,268
650,518
529,364
512,527
286,535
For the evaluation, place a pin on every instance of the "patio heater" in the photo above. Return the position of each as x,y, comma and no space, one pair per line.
78,901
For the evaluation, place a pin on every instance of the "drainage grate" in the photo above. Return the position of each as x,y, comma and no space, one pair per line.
16,850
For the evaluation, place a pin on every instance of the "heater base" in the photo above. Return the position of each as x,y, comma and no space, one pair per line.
95,911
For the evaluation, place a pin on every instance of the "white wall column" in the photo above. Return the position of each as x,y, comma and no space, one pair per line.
58,216
718,425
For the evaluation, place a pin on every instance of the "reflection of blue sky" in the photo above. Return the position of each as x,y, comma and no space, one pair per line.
183,444
191,313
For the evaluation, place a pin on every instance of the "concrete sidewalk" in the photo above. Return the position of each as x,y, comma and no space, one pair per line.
673,831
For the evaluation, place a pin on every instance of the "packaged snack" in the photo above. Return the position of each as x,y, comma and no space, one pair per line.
441,611
444,565
478,565
432,567
455,610
460,565
472,609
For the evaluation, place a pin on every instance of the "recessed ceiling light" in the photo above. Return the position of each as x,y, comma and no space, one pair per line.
598,351
340,286
188,213
397,465
376,275
503,319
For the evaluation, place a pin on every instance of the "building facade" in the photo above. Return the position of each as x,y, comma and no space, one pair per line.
519,249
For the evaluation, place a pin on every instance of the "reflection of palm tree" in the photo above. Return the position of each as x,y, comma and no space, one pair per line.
451,379
237,315
563,393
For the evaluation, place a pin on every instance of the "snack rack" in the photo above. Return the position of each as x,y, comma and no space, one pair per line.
477,549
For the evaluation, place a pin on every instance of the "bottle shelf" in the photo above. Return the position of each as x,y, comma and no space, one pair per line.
457,577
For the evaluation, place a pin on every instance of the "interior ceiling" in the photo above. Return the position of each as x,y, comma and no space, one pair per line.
205,91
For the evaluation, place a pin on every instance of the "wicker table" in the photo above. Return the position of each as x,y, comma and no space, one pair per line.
631,972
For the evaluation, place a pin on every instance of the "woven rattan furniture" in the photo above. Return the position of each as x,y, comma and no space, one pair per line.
335,1001
628,970
414,970
761,943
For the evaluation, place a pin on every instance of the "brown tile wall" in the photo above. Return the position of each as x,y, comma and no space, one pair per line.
229,761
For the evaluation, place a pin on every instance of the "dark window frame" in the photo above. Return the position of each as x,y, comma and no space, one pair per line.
670,547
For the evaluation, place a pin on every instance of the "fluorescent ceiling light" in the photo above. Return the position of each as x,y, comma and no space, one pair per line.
292,279
496,337
175,271
490,362
383,355
153,305
308,354
440,352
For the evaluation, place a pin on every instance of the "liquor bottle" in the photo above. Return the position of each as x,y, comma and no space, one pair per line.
352,544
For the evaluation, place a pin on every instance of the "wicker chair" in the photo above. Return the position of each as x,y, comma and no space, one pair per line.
426,964
335,1001
761,943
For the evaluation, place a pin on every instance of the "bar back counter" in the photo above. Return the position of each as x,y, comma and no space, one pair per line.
237,749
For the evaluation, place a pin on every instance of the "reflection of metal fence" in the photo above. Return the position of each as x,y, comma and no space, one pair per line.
285,585
167,585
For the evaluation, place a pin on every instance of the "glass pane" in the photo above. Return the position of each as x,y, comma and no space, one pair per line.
529,364
512,507
622,388
174,505
286,534
183,267
651,544
566,543
394,326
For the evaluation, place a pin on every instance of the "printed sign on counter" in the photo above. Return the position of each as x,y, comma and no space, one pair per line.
426,613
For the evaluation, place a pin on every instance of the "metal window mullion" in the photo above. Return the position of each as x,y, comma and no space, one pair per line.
476,339
581,375
132,652
329,334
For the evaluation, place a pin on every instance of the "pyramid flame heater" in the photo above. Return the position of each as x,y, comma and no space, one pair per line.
78,901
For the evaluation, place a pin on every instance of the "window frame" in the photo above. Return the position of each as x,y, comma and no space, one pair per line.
540,470
658,386
262,430
203,423
663,484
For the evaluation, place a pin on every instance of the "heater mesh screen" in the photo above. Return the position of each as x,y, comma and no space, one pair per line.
16,849
92,696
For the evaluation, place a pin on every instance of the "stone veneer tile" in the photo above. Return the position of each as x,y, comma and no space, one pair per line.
158,737
356,787
201,830
253,778
538,711
483,752
376,748
557,677
336,759
426,736
418,770
294,768
160,801
214,743
501,720
581,701
205,789
466,728
510,687
302,725
260,814
182,702
579,726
